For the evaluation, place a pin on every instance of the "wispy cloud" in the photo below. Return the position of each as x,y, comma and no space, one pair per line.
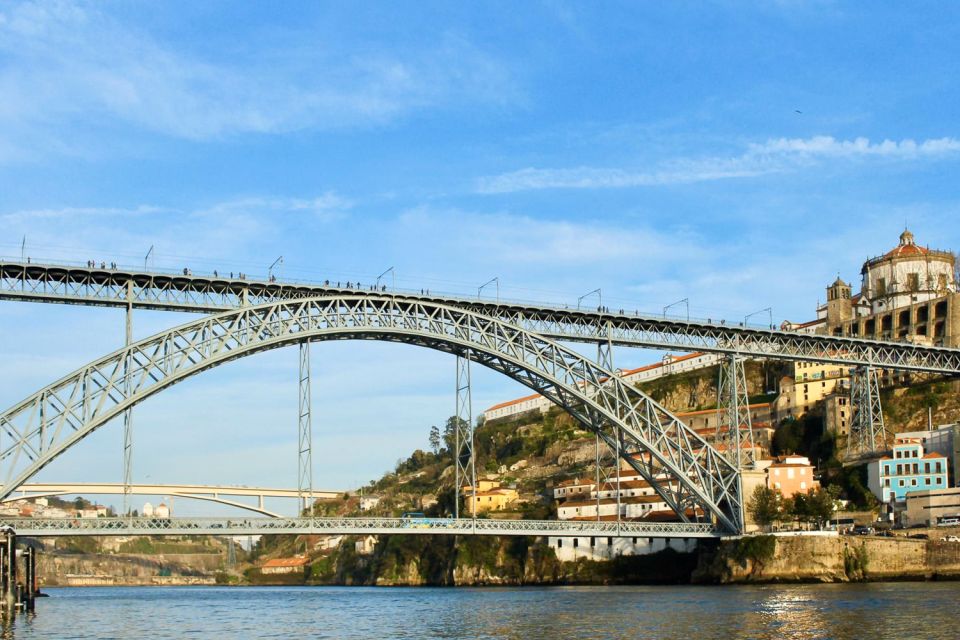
63,64
773,156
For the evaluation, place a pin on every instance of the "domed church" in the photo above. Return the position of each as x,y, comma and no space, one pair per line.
908,293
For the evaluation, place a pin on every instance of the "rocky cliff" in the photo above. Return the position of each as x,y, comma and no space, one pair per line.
827,559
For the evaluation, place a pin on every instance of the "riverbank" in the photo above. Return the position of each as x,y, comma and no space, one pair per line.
804,559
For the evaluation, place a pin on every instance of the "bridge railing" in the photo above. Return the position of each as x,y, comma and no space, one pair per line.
263,526
288,283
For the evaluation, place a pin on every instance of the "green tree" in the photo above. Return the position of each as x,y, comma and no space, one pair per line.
450,431
435,439
820,504
764,506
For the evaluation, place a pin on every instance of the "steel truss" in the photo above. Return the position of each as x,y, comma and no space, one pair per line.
607,459
99,287
868,434
464,458
305,433
689,475
734,427
51,527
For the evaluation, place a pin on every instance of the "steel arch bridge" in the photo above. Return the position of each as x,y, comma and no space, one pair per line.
201,294
691,476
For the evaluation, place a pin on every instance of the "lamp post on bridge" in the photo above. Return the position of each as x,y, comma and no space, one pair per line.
494,280
270,268
769,310
587,295
684,301
393,281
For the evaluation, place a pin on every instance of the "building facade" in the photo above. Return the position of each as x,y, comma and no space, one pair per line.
908,469
908,293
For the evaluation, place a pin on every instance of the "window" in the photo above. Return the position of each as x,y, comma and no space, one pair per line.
913,482
913,281
576,542
927,481
886,482
901,483
559,544
593,542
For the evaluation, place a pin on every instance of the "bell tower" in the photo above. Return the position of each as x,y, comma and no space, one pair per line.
839,303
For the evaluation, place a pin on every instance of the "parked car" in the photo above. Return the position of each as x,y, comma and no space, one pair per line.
919,536
863,530
950,539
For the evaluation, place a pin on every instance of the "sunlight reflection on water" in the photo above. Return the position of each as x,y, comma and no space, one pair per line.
841,612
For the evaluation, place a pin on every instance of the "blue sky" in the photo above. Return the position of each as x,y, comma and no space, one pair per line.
739,154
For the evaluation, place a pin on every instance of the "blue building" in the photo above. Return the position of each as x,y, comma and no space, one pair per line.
908,469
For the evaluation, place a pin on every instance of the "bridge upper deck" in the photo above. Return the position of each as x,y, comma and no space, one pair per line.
206,294
51,527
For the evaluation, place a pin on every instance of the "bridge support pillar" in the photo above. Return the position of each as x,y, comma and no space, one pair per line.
734,426
607,461
465,463
305,434
128,414
868,433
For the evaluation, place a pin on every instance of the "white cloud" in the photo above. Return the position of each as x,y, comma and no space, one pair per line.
772,156
65,64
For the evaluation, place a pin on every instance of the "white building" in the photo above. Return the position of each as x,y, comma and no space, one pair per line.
607,548
670,365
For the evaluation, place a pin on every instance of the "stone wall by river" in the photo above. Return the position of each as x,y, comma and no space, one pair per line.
78,569
829,559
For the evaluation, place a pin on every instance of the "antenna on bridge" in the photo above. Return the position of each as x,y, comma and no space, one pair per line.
393,281
23,248
587,295
270,268
685,301
147,257
494,280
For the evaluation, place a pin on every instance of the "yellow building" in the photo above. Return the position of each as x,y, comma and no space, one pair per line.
811,382
490,496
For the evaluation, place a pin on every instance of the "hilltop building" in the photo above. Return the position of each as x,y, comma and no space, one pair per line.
908,293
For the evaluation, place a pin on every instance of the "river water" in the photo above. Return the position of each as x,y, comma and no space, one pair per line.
892,610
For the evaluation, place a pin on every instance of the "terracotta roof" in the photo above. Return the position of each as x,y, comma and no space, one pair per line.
513,402
286,562
625,372
704,411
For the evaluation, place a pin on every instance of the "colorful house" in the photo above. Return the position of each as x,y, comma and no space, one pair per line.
908,469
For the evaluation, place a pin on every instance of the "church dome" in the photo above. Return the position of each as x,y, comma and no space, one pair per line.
907,247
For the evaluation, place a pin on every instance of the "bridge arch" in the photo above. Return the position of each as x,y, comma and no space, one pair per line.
689,474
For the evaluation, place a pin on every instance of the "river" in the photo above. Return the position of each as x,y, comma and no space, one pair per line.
843,612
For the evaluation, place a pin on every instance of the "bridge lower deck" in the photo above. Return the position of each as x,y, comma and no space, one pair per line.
47,527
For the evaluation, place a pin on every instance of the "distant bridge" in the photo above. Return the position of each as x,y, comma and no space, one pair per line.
126,288
40,527
193,491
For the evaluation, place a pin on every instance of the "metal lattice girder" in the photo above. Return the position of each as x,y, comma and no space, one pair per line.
868,434
734,427
103,287
305,432
50,421
50,527
464,460
128,420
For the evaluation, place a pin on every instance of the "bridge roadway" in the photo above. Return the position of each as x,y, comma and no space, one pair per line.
192,491
205,294
49,527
